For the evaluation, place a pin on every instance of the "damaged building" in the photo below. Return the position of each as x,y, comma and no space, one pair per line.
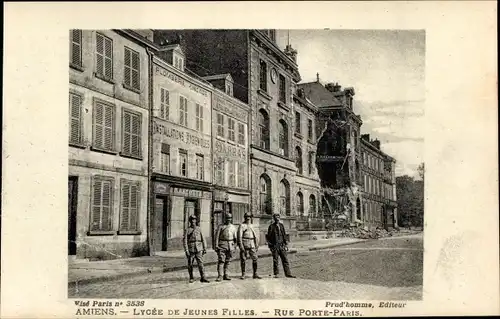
357,177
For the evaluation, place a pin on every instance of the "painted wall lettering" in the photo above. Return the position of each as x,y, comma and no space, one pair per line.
176,134
161,71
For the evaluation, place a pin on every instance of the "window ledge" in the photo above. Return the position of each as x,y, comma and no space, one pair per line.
101,233
130,88
136,157
100,150
78,145
129,232
311,141
264,94
76,67
283,105
299,135
104,78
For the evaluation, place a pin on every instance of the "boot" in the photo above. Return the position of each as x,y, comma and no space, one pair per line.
242,270
255,276
226,277
191,277
203,278
219,276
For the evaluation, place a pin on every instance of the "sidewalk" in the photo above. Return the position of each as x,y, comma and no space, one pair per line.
81,272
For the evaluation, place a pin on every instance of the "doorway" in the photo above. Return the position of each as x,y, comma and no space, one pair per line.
162,227
72,209
191,208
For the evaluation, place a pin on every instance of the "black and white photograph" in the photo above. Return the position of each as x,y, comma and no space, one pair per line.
246,164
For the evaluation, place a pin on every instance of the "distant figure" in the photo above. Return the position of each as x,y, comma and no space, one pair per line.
276,241
195,247
225,242
249,244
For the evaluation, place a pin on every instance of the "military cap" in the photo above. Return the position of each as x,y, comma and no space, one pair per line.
229,215
192,217
247,215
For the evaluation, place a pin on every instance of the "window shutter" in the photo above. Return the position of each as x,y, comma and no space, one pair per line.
108,127
126,133
125,218
99,54
134,206
76,47
96,206
75,119
128,70
162,103
99,125
135,70
106,205
108,62
136,135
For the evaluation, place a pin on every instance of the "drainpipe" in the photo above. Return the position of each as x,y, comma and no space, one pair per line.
150,151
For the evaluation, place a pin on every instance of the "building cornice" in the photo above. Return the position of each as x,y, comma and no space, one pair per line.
170,68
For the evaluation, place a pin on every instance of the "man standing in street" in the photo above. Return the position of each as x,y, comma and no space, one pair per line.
224,246
249,244
277,243
195,248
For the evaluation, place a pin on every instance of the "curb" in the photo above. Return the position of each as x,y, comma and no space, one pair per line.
155,270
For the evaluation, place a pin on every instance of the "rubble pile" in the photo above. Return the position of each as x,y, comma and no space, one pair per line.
363,233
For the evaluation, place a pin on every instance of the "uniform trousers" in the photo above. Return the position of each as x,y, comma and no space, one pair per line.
280,252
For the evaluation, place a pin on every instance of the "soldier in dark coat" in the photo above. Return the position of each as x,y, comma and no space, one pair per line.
277,243
195,247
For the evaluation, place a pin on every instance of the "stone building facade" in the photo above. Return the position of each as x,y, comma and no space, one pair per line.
181,150
108,144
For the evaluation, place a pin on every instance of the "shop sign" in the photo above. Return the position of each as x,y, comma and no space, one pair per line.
161,188
185,192
176,134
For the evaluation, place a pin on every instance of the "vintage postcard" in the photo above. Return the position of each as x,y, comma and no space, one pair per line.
315,165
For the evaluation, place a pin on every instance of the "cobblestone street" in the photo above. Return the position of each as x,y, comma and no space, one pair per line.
387,269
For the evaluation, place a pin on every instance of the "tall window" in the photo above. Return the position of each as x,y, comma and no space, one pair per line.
104,126
298,160
282,88
230,129
102,204
310,130
164,103
263,76
263,121
75,119
284,198
165,158
75,38
312,205
283,138
219,169
104,56
183,112
241,175
199,117
265,202
365,185
200,166
183,163
129,212
131,124
132,75
310,162
297,123
220,125
300,204
232,173
241,134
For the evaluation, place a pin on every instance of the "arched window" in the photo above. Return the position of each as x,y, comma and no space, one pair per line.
312,205
300,204
298,160
310,162
283,138
265,202
358,209
263,122
284,197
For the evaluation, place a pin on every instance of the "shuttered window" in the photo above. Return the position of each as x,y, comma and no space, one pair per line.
104,56
241,134
219,168
230,129
241,175
104,124
183,164
129,213
232,173
183,113
131,128
102,204
76,47
220,125
165,158
132,75
164,104
75,119
199,118
200,166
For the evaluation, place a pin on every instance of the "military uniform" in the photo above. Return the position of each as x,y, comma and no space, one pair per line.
195,248
248,243
226,239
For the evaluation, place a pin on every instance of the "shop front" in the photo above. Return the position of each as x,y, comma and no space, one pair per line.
237,203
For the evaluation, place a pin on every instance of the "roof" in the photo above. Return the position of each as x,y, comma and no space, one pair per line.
223,76
319,95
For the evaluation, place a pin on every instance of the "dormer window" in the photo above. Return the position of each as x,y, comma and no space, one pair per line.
173,55
229,88
178,61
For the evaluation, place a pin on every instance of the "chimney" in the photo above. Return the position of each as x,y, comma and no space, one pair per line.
376,143
317,77
333,87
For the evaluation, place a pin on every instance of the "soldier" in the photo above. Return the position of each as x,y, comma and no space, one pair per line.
277,243
249,244
224,245
195,247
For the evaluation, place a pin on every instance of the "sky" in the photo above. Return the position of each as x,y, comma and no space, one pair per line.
386,69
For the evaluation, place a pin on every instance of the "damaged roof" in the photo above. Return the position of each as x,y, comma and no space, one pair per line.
319,95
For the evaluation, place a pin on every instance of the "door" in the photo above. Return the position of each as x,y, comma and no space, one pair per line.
161,229
217,219
72,205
